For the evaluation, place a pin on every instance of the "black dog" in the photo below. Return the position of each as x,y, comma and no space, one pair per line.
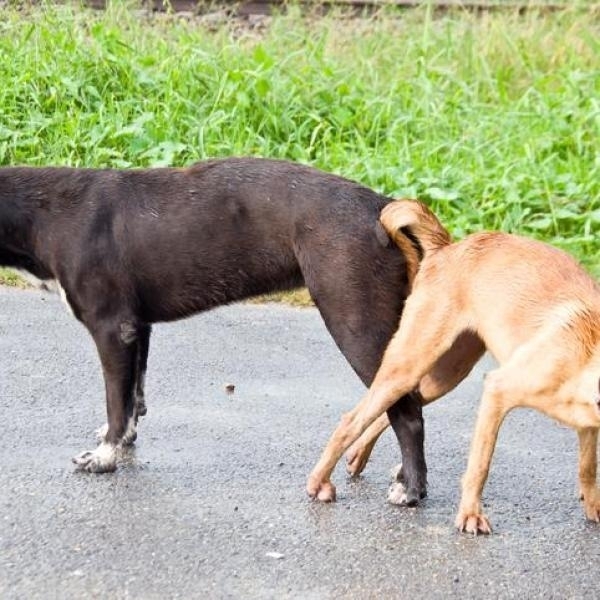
130,248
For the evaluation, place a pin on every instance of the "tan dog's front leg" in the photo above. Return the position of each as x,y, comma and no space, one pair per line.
588,458
470,517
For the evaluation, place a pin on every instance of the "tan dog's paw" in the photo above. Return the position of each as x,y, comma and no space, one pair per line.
357,458
474,523
324,491
592,506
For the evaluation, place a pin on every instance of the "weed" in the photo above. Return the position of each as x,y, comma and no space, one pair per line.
493,119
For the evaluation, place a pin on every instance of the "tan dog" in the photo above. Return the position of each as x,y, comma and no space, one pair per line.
531,305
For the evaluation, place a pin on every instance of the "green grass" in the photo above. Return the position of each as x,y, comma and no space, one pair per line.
493,119
10,278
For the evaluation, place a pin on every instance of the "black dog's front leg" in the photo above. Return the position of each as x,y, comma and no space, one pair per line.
117,342
140,409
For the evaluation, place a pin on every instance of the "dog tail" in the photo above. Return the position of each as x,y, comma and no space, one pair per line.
415,230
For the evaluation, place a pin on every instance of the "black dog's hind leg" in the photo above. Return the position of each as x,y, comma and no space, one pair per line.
117,343
406,419
361,305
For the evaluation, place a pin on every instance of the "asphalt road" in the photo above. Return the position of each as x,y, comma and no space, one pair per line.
212,502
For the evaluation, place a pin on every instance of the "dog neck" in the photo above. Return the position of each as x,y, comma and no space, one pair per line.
22,204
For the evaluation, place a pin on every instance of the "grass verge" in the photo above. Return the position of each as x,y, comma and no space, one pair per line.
11,279
494,119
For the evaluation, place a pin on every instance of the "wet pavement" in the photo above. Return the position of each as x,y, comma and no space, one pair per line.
212,503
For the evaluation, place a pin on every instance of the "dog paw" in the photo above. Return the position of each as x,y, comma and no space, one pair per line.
400,493
357,458
473,523
324,491
101,460
592,507
397,494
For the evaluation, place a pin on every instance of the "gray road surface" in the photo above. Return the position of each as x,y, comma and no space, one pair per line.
217,481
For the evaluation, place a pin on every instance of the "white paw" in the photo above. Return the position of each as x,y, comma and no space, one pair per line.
397,494
101,460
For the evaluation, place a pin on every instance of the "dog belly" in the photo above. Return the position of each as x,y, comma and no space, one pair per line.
175,297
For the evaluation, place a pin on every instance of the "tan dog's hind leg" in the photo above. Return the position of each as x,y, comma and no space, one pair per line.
588,457
489,418
425,333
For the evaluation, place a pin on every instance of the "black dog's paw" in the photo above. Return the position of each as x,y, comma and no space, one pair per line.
101,460
400,493
401,496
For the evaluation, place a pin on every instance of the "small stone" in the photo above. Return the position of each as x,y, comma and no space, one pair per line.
229,388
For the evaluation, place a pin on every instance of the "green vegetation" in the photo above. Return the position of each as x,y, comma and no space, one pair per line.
494,119
8,277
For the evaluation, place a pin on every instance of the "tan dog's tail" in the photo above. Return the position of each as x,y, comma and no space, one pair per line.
416,231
